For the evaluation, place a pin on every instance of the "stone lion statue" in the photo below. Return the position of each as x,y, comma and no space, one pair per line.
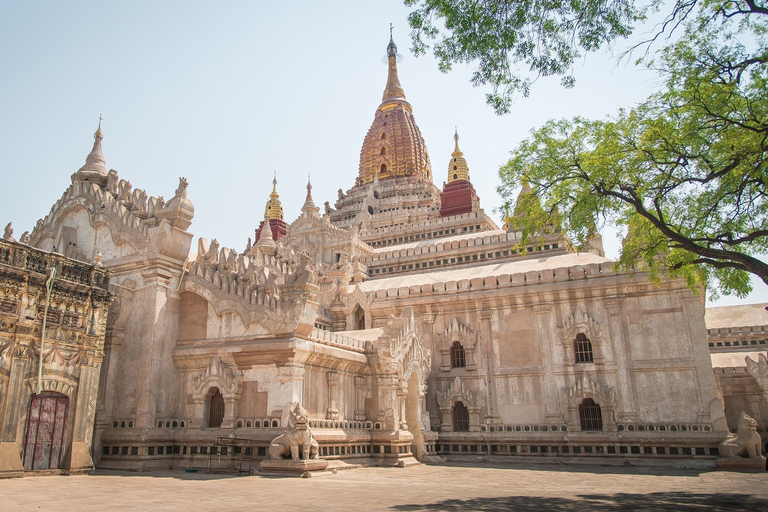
297,441
746,441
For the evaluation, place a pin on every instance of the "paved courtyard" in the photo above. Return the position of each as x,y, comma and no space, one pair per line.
452,487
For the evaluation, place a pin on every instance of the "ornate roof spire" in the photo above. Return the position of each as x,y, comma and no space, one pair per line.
265,237
393,146
309,209
393,90
274,209
457,168
94,168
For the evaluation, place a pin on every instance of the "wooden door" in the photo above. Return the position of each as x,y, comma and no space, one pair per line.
46,428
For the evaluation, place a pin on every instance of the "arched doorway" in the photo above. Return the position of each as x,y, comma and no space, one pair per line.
215,409
590,415
460,417
413,416
46,431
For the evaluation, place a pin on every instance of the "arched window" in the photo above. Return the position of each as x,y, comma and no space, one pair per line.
359,318
582,348
460,418
454,167
458,358
384,135
590,415
455,176
216,409
383,151
383,168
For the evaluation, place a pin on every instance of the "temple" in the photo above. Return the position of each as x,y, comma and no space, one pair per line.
408,325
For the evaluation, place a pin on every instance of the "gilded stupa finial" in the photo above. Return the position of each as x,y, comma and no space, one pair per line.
274,209
391,47
393,90
458,169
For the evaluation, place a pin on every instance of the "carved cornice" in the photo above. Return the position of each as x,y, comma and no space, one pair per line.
355,297
457,332
589,387
60,383
580,322
217,374
457,391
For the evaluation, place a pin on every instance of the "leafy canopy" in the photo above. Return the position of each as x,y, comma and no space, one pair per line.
685,171
547,36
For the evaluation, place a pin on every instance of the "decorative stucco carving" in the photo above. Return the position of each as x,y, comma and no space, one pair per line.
217,374
587,386
64,384
457,332
580,322
457,392
355,297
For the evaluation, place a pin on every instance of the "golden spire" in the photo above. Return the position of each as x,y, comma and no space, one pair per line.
393,90
457,168
274,209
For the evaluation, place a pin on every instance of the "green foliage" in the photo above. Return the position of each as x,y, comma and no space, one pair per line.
545,36
685,172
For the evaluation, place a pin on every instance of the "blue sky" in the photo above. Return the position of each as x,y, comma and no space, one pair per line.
228,93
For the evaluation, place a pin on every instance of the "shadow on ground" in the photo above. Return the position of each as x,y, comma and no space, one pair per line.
178,474
567,466
656,502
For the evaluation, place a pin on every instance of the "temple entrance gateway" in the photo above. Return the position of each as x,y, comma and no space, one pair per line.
46,430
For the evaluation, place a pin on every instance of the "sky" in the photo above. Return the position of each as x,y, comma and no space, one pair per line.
229,94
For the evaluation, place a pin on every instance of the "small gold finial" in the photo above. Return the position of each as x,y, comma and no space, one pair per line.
457,168
274,209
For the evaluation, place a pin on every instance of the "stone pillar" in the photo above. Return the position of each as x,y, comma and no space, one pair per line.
231,401
359,398
711,409
544,326
486,333
333,411
474,418
426,424
402,394
78,459
151,303
387,400
291,378
626,396
14,400
446,425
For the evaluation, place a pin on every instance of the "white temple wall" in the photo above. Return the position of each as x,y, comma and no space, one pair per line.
650,360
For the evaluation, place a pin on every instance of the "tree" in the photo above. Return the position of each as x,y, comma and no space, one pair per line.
685,172
547,36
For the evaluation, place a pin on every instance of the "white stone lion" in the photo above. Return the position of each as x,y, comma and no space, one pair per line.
297,439
746,441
